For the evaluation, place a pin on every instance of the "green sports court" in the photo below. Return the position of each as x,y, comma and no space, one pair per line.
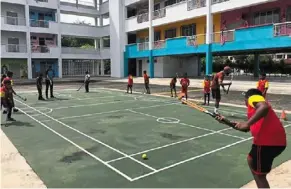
97,139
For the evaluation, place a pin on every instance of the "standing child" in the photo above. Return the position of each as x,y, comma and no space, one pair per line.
129,83
263,85
173,86
206,89
2,78
185,82
269,136
87,81
146,82
9,77
39,86
49,82
7,98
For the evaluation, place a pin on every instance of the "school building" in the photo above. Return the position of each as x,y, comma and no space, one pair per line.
164,37
32,32
169,36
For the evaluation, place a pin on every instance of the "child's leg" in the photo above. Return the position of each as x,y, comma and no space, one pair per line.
171,87
47,84
205,98
175,91
261,180
9,112
127,88
208,98
130,89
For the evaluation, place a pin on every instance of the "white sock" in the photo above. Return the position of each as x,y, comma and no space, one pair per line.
216,110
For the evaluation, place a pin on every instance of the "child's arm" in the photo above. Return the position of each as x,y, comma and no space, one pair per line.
262,110
266,87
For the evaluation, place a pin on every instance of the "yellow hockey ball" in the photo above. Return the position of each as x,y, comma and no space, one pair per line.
144,156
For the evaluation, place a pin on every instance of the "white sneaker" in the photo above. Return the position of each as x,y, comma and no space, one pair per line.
216,111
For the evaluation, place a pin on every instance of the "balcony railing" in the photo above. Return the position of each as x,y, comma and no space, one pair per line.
159,13
40,49
218,1
40,23
142,18
14,48
143,46
195,4
223,36
282,29
9,20
79,50
159,44
196,40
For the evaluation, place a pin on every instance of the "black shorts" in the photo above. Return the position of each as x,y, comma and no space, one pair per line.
216,94
172,86
263,156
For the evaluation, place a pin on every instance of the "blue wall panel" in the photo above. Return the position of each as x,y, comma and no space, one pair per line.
254,38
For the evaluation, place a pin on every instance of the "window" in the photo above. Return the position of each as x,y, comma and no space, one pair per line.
157,36
169,2
13,44
33,38
106,42
288,14
12,18
289,56
156,6
267,17
188,30
279,56
171,33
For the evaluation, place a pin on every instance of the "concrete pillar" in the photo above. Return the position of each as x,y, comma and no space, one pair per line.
209,33
101,43
117,38
59,43
256,65
102,67
101,20
96,44
28,46
151,39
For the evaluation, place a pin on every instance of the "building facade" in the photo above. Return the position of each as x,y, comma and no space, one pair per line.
166,37
32,36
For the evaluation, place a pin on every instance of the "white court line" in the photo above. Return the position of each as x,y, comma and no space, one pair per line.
201,128
195,157
84,105
81,148
96,140
114,111
171,144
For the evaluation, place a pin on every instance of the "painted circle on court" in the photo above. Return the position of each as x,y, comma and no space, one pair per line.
168,120
41,109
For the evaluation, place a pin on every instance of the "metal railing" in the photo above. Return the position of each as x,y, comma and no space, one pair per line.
159,44
18,21
282,29
14,48
79,50
40,23
223,36
143,46
142,18
195,4
196,40
40,49
218,1
159,13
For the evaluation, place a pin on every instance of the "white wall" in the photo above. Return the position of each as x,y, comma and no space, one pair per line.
145,66
22,2
20,35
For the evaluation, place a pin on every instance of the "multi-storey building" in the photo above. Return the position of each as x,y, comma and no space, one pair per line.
161,36
32,34
169,36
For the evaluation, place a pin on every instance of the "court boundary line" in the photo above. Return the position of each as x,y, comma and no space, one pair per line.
185,124
195,157
96,140
79,147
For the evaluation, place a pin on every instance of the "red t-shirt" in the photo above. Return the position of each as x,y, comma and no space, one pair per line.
130,80
206,86
146,78
268,131
216,78
262,85
185,82
7,78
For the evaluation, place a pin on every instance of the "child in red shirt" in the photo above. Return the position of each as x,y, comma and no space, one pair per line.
146,82
269,136
206,89
185,82
263,85
129,83
7,98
